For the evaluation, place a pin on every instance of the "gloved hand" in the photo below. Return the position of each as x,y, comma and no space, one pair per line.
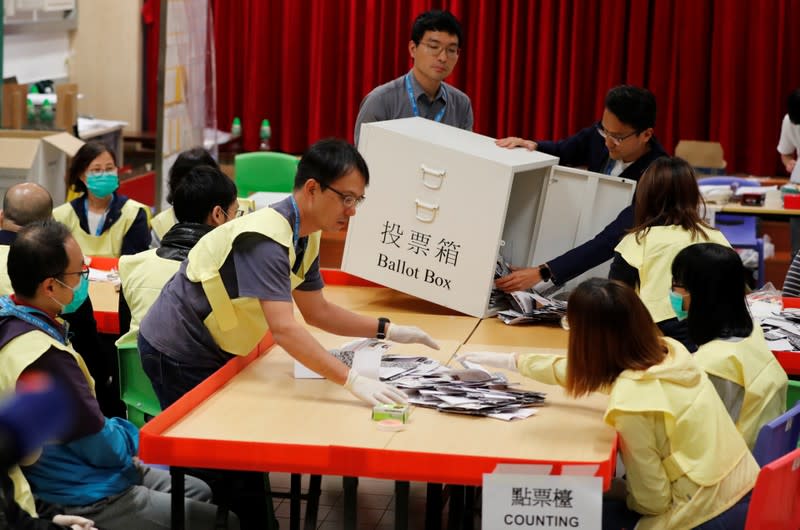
409,335
507,361
75,522
373,391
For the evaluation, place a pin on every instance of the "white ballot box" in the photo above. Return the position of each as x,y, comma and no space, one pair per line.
443,202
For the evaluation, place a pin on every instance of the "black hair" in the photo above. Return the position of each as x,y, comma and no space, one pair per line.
83,159
715,278
203,189
327,160
25,210
36,254
793,106
436,20
633,106
197,156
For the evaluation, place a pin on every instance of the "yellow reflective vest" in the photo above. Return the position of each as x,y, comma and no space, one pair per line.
143,276
109,243
162,222
652,256
238,325
5,281
686,461
750,364
15,357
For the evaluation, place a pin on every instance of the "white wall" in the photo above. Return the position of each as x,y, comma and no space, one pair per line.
106,60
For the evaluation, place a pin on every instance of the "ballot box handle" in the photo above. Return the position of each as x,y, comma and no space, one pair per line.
426,212
432,178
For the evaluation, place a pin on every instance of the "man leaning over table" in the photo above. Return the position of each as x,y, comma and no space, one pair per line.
246,276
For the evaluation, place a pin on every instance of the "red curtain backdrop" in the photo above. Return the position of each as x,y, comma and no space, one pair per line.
720,69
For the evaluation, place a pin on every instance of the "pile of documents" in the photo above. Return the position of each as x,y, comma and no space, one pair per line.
528,307
472,391
782,330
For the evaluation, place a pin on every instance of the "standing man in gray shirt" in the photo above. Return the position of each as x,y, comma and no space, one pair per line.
435,44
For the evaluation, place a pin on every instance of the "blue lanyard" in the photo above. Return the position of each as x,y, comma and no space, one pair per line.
28,314
413,100
296,233
102,217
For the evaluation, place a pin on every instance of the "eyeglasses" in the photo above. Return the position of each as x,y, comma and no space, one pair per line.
435,48
347,200
83,272
615,138
238,214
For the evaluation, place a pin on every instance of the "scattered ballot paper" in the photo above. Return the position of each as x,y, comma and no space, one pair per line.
364,355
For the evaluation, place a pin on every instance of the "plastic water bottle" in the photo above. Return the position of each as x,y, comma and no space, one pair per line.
236,127
46,114
265,134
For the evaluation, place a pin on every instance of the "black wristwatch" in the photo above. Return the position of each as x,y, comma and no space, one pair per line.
544,272
382,323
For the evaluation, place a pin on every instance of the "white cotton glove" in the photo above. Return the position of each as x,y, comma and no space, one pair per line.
409,335
507,361
373,391
75,522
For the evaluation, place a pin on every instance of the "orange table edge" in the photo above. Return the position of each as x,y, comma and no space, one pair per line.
314,459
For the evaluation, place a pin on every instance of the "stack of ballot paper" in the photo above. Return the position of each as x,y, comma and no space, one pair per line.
782,330
471,390
527,307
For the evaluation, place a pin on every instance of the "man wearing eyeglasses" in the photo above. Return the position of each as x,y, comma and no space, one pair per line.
435,45
204,199
24,204
246,276
620,144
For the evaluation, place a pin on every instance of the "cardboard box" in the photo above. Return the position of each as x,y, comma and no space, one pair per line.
707,156
443,202
36,156
67,106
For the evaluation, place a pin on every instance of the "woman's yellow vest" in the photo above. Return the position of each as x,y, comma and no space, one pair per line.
694,417
5,281
652,256
109,243
162,222
15,357
143,276
238,325
750,364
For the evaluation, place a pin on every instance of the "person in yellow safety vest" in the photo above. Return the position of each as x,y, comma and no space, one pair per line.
206,198
708,292
185,162
103,222
26,203
92,470
666,220
686,464
241,279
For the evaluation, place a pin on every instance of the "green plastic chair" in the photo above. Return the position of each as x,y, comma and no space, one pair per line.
134,386
792,394
264,171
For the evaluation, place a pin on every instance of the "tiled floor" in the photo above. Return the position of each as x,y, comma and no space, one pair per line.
375,504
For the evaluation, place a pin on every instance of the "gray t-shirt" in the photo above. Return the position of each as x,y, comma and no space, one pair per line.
390,101
257,267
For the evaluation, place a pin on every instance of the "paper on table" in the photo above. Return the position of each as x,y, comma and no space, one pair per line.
780,345
795,173
366,358
520,414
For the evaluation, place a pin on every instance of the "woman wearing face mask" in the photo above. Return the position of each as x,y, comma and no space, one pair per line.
666,220
708,287
103,222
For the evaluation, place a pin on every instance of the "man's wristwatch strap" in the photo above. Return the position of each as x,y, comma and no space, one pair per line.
383,322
